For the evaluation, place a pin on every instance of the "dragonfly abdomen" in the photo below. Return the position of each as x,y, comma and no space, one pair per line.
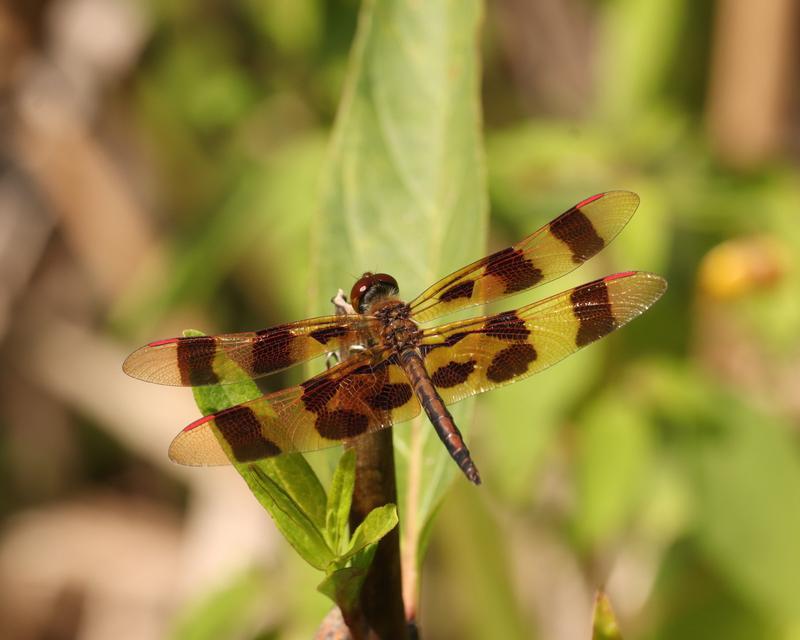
435,409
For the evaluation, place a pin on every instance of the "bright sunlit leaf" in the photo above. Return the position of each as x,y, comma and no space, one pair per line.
405,189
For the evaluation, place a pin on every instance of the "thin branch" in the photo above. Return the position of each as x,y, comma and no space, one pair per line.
411,528
382,594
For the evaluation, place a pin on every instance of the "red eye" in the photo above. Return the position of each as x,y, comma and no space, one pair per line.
370,288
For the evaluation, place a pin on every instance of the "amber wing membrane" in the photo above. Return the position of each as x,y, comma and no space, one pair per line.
552,251
469,357
350,399
233,357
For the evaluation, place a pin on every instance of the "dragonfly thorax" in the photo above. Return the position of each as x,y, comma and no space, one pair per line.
399,331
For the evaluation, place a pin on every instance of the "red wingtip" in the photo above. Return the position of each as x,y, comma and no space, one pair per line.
583,203
198,422
158,343
616,276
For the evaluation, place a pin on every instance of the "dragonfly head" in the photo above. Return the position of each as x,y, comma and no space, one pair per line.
372,288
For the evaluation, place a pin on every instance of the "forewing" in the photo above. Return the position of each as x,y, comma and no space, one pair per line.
232,357
469,357
552,251
348,400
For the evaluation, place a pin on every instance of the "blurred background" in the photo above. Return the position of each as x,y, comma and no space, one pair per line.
159,169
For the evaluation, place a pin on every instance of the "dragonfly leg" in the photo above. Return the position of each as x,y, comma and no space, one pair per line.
331,359
343,307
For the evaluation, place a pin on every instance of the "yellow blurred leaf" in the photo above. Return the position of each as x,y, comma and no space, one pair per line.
604,624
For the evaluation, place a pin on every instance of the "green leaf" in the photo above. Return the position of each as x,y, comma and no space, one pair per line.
295,525
340,497
285,485
604,624
295,476
405,188
343,586
377,524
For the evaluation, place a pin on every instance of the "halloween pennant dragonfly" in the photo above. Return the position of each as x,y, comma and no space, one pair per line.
394,368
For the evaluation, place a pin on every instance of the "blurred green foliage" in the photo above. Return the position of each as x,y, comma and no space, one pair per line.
658,450
236,605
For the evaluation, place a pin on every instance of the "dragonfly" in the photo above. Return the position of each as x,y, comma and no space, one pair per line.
392,366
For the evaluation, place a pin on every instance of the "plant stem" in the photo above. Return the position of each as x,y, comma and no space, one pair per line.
382,593
411,526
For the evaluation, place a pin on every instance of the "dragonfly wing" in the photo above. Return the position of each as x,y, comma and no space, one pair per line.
554,250
349,400
233,357
470,357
